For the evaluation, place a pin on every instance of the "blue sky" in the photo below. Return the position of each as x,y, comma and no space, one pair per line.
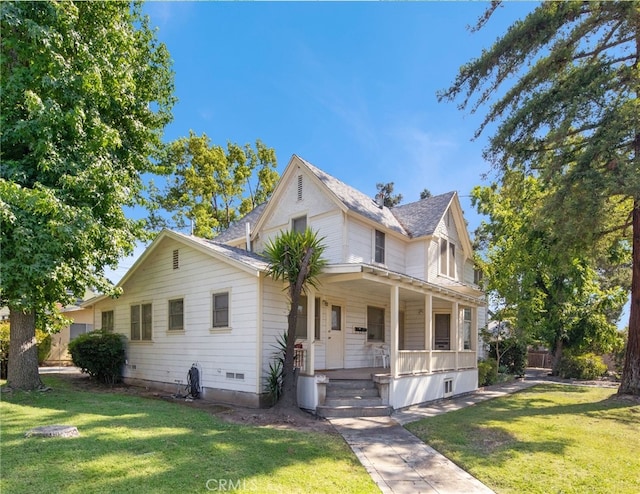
349,86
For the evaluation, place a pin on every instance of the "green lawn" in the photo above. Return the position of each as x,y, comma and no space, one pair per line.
548,439
133,444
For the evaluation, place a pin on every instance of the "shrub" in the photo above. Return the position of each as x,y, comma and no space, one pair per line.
276,368
487,372
43,339
100,353
586,366
513,355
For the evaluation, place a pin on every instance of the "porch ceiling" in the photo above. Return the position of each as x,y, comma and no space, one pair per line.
361,278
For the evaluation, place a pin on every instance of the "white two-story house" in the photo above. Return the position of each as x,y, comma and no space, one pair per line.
396,302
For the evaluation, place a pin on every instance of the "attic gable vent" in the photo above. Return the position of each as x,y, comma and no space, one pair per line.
176,259
299,187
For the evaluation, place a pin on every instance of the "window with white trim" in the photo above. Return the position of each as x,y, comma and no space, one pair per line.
301,324
466,328
379,246
299,224
220,304
141,322
375,323
447,258
107,320
176,314
442,333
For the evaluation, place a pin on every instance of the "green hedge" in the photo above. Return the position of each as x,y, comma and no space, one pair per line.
487,372
101,354
586,366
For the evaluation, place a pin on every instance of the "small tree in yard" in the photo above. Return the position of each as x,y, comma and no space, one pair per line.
295,258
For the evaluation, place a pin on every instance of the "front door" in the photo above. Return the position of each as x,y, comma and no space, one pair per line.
335,338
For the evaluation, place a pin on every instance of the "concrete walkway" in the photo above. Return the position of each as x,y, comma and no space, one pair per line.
399,462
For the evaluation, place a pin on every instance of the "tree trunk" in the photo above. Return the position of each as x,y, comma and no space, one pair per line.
22,372
630,383
289,398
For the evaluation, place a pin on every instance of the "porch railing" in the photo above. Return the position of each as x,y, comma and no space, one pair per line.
416,361
413,361
443,360
466,360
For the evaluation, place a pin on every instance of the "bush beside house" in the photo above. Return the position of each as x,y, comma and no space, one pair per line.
101,354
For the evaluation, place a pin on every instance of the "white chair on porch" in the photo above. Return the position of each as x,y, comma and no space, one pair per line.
380,354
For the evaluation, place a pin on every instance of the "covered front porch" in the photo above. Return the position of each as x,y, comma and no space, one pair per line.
381,325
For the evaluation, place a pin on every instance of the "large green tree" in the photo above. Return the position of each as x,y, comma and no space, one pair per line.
565,298
561,87
86,92
296,259
210,186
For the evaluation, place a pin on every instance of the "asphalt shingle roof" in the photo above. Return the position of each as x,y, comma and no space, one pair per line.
237,228
357,201
422,217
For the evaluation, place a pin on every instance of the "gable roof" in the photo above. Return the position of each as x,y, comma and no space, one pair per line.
249,262
413,220
356,201
422,217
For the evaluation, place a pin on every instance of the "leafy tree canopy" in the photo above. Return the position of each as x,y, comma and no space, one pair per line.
211,186
86,92
565,298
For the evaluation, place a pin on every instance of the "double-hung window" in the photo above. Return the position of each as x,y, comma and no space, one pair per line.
176,314
301,324
375,323
379,247
466,328
107,320
220,304
447,258
141,322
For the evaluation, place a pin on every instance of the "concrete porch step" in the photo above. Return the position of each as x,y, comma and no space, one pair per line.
351,384
353,411
355,401
352,393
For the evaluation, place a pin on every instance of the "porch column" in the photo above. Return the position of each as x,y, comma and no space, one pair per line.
310,363
474,330
455,330
393,351
428,329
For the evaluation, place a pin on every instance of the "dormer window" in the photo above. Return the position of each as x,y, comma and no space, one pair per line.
379,247
299,224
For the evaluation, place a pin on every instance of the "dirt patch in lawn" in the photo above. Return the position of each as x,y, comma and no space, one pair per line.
263,417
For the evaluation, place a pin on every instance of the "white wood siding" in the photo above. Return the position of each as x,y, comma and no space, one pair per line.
170,354
416,261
